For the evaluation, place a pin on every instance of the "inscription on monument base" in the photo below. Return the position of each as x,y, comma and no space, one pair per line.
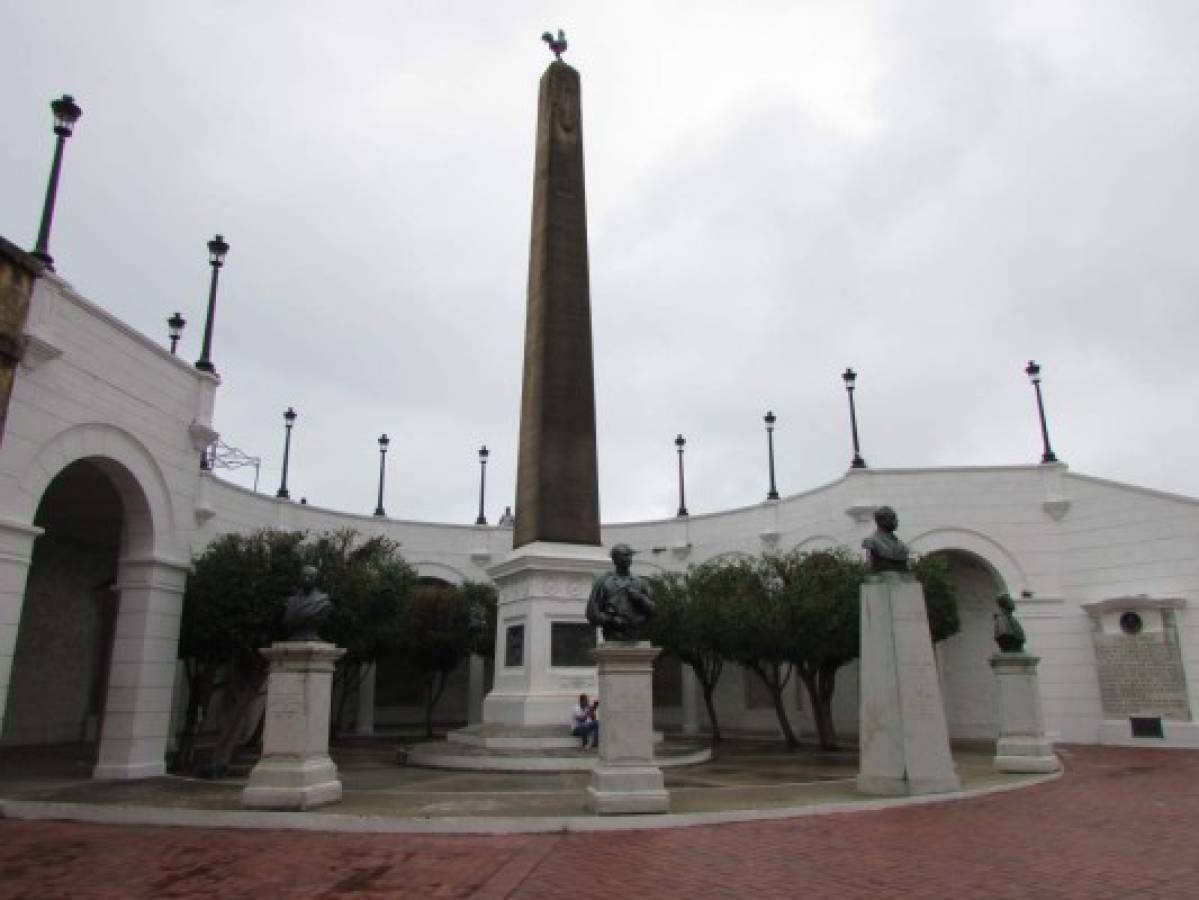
1141,675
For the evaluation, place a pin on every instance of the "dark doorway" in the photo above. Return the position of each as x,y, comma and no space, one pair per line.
64,641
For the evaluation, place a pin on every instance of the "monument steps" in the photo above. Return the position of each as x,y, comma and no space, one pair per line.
564,756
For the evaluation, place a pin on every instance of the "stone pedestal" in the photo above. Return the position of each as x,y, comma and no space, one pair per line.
626,780
1022,745
903,736
295,771
541,586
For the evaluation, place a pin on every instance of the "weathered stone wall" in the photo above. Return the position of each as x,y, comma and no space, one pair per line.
18,270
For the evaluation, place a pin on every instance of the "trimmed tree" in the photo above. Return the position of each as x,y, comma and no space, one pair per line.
690,622
231,607
442,625
368,583
759,631
821,592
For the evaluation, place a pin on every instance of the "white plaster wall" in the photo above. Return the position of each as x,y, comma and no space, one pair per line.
93,386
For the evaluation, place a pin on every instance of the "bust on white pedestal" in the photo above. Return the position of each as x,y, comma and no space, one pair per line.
903,736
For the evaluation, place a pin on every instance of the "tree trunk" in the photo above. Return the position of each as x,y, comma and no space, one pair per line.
432,696
347,679
200,682
710,702
775,681
826,681
245,694
819,683
708,672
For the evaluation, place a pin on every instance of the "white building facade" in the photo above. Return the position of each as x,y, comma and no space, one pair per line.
103,504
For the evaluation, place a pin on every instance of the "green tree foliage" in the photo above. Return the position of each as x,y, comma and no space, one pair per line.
821,594
780,613
758,636
940,595
231,607
441,626
368,583
690,622
234,602
818,592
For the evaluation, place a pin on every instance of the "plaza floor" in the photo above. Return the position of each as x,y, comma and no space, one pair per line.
1118,823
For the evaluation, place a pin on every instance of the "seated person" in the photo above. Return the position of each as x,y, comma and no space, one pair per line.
582,722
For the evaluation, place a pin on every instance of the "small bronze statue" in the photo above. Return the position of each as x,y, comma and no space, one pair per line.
558,46
1008,633
887,552
307,609
620,603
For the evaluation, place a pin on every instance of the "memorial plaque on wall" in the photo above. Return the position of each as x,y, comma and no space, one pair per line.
1141,674
571,644
514,646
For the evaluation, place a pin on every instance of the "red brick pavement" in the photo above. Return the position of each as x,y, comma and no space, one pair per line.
1121,823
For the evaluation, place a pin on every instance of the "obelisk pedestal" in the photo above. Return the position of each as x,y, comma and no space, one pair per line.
626,780
1022,745
540,586
295,771
902,734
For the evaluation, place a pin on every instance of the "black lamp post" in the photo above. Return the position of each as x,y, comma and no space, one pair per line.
383,442
289,419
680,442
66,114
1033,371
483,454
849,376
175,330
770,419
217,248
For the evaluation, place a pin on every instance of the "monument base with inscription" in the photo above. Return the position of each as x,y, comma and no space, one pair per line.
903,736
1022,745
543,589
295,772
626,780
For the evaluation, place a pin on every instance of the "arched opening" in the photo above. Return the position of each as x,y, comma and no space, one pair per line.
967,682
65,636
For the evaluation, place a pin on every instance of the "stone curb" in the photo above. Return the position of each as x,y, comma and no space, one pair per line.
350,824
542,764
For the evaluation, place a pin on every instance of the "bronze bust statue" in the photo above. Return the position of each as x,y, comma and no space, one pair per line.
887,552
621,603
1009,635
307,609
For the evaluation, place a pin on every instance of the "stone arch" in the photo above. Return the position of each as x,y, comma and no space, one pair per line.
989,552
439,571
728,556
148,523
818,542
967,683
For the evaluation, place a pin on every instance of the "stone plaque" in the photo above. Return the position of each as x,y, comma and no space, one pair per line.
572,644
514,646
1141,674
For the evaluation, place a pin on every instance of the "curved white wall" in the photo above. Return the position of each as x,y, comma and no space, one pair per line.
93,387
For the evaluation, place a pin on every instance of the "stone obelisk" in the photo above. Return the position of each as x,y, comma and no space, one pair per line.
557,489
544,583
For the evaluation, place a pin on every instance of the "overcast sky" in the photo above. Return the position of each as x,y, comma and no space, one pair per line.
933,193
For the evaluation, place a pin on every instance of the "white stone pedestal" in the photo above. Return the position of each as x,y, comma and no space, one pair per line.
540,585
903,736
626,780
295,771
1022,745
